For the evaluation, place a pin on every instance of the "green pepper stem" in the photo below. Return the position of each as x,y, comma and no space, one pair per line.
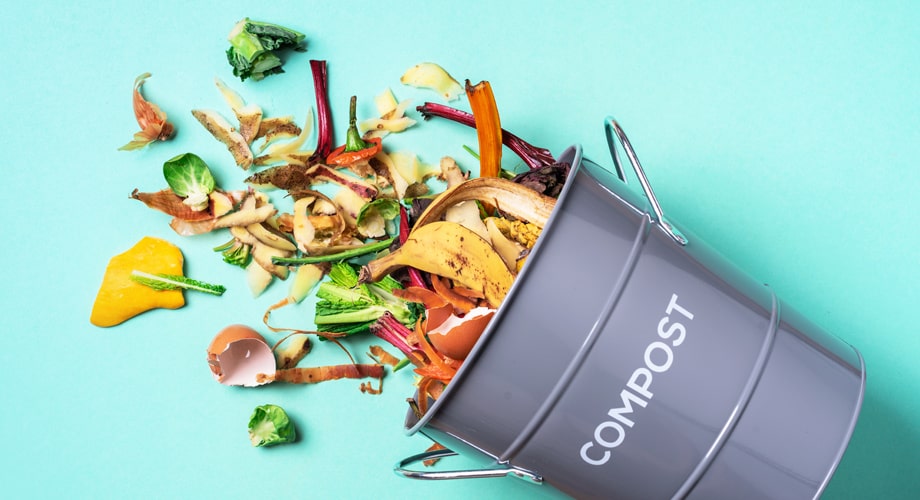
353,141
347,254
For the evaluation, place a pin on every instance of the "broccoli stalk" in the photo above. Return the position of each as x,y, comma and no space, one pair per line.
346,306
252,46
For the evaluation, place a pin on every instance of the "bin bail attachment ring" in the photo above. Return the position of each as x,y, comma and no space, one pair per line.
611,127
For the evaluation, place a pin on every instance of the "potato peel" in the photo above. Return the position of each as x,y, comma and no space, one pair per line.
317,374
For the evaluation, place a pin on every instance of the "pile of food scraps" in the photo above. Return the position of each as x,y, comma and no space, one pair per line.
419,256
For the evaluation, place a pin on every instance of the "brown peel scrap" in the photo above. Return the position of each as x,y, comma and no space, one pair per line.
291,353
434,447
150,118
220,128
290,151
168,202
382,357
248,115
392,116
317,374
279,127
510,197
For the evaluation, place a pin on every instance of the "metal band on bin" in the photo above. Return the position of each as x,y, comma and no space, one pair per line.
743,400
578,359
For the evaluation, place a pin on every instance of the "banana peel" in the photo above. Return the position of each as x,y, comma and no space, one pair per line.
509,197
451,251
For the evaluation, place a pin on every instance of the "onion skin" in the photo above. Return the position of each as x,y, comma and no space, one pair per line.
150,119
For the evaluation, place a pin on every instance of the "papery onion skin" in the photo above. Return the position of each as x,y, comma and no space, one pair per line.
150,118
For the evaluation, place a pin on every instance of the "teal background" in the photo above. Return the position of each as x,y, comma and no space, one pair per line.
785,134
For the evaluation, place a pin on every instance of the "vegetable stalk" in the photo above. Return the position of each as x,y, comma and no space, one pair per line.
175,282
323,112
388,328
415,276
334,257
534,157
355,148
348,307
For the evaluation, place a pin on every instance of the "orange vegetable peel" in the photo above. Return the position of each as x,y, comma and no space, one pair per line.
488,127
120,298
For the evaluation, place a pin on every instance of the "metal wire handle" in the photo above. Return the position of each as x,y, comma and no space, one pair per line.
611,128
499,471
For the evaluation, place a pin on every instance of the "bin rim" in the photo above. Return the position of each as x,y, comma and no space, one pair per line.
573,155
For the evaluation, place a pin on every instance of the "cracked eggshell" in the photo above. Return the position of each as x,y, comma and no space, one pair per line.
238,354
456,336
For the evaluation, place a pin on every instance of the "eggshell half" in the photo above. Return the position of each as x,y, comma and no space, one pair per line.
456,336
238,354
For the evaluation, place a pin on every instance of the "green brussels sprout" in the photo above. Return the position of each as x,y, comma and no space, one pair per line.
269,425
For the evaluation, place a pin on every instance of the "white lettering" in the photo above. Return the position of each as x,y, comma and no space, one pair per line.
641,389
673,305
607,424
638,386
669,357
666,334
593,461
628,399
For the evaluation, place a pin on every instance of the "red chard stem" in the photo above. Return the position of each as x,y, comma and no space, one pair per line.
533,156
388,328
324,140
415,276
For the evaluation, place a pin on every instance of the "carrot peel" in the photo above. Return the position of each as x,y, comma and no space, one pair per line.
488,127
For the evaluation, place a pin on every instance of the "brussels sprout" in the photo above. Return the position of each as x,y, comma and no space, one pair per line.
269,425
378,218
189,177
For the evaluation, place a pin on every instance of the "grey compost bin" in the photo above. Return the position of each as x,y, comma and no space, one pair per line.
629,360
